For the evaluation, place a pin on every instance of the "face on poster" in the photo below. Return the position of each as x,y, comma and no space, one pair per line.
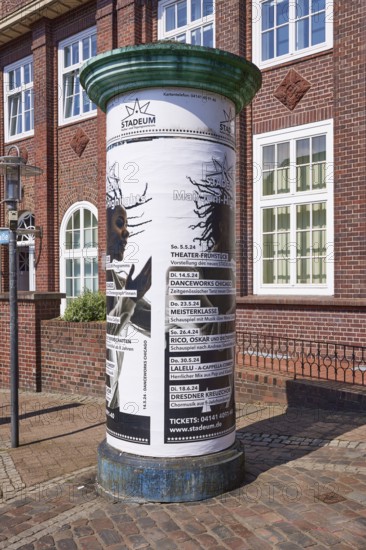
170,290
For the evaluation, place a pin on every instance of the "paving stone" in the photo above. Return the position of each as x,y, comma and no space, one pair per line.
66,544
109,536
45,543
83,530
137,541
90,543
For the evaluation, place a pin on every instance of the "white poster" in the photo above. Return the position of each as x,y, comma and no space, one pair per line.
170,273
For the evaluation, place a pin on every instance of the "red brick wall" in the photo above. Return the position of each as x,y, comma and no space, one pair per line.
337,323
32,308
73,357
350,147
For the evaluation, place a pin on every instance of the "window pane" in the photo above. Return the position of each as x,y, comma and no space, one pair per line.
318,175
27,73
69,91
317,5
283,245
267,15
319,215
196,37
95,238
88,238
69,289
86,48
208,7
27,121
303,271
195,9
268,272
302,34
282,12
283,180
283,154
77,287
88,283
302,8
303,178
68,239
11,80
76,109
282,40
14,106
319,271
28,100
267,45
269,158
86,103
76,217
208,36
75,53
318,28
182,14
268,183
76,267
181,38
170,18
87,218
319,247
268,246
68,268
283,218
76,239
95,284
319,148
94,45
67,56
302,151
303,243
303,216
269,220
283,272
88,267
18,78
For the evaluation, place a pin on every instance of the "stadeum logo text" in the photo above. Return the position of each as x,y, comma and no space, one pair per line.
227,125
138,115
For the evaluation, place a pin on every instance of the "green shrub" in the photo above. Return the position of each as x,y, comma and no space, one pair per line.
89,306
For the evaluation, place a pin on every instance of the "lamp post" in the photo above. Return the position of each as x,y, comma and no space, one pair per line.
12,168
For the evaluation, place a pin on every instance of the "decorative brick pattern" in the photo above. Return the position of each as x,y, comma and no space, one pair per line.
79,142
292,89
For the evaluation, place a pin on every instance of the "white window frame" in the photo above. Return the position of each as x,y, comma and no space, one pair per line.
27,242
21,90
75,253
292,199
73,68
186,30
293,53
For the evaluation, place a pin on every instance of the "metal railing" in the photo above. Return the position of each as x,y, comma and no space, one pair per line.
302,358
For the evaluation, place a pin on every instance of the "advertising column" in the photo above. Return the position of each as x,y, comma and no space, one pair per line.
170,260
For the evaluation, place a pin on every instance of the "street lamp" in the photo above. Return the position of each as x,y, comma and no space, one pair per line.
13,168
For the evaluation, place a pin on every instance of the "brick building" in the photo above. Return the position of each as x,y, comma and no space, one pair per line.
301,246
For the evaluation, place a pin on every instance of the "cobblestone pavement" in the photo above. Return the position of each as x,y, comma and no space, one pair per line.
305,485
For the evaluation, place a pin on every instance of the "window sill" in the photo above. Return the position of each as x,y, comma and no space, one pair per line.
78,120
290,62
19,137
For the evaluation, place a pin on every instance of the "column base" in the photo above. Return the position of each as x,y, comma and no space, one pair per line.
127,477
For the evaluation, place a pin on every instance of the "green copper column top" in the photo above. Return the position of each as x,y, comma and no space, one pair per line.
170,64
